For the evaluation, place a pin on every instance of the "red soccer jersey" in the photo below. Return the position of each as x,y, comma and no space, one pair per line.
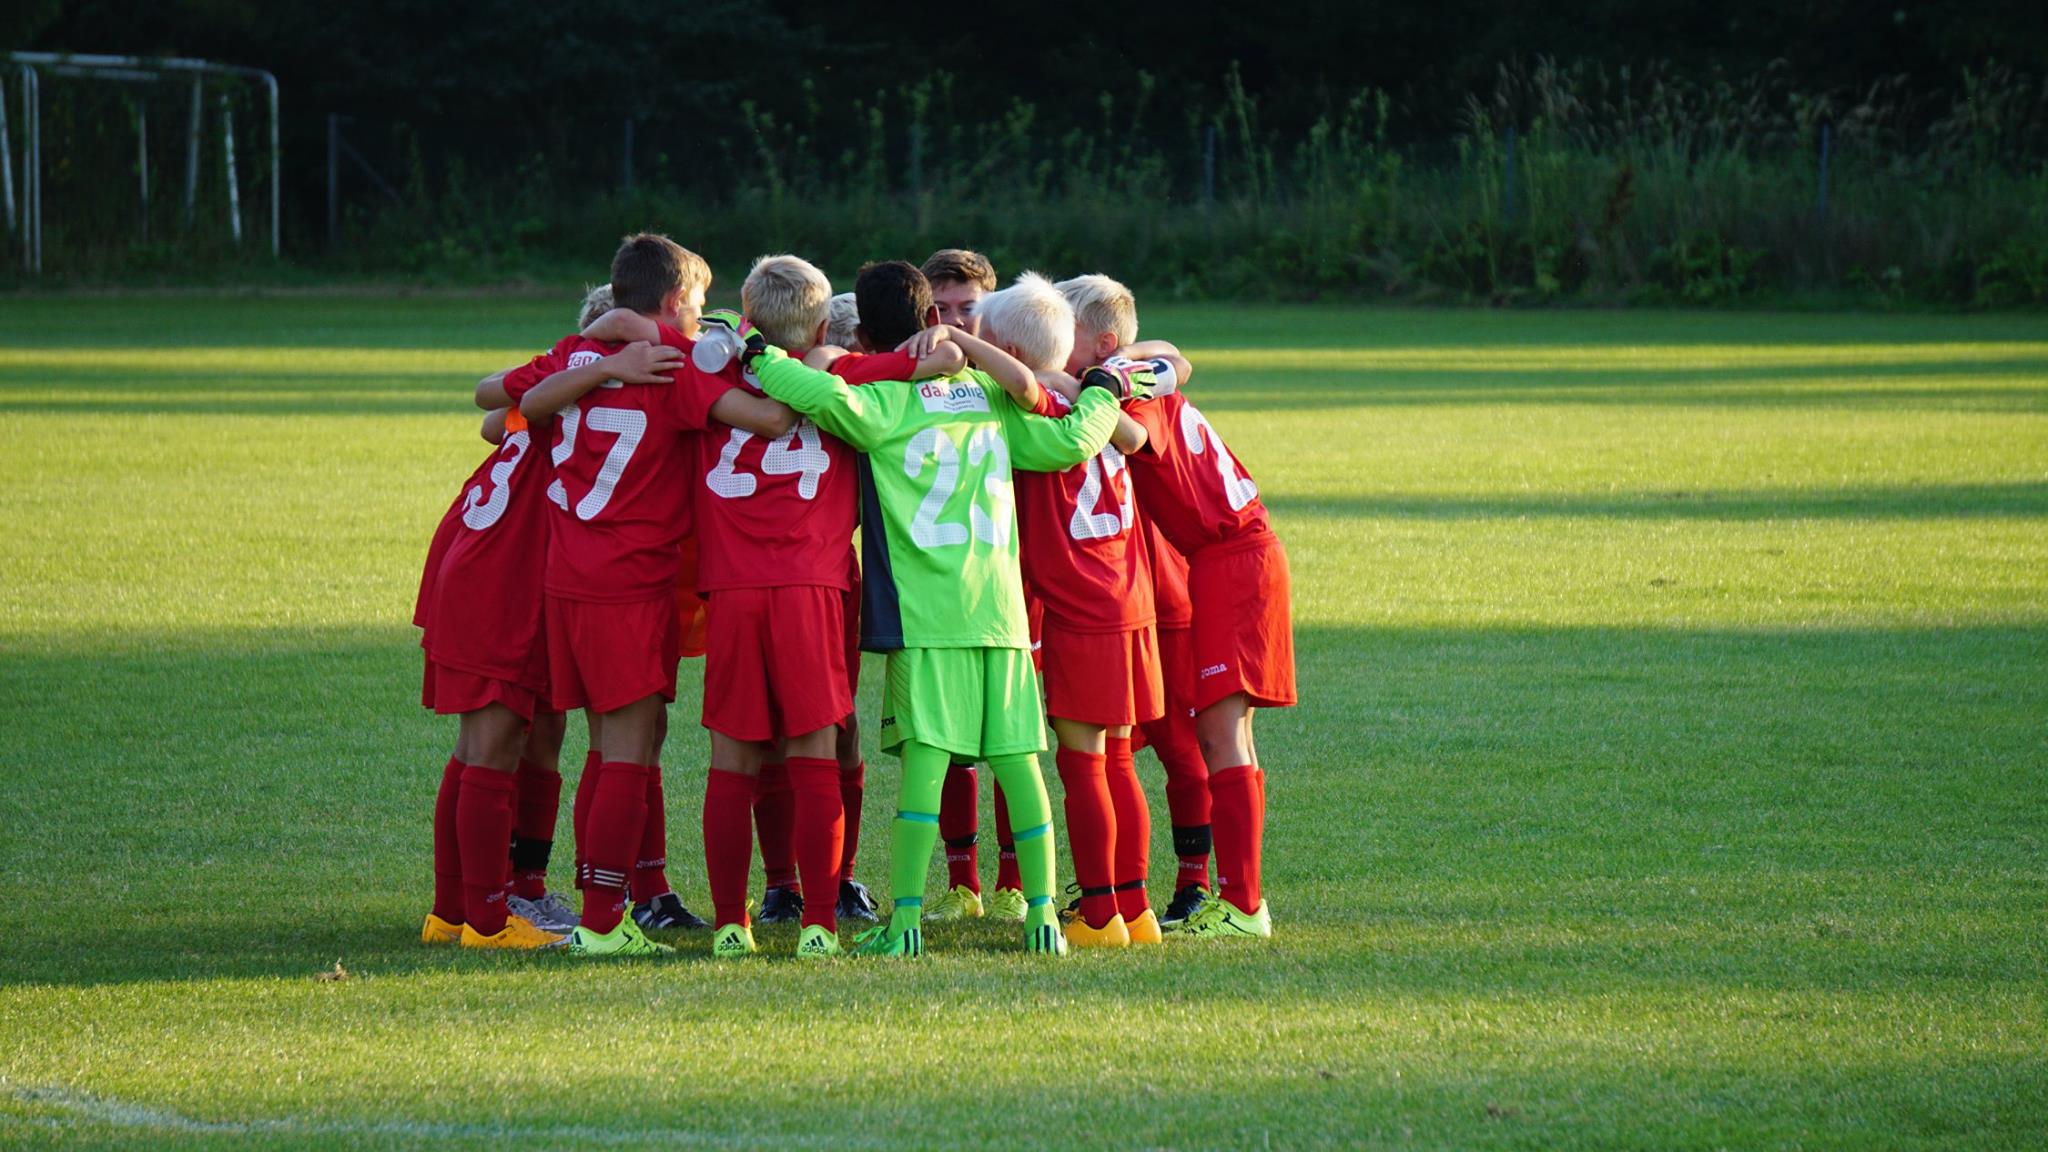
775,513
1080,544
1189,483
1169,578
480,596
623,458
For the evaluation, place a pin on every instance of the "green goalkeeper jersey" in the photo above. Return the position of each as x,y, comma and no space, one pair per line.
938,514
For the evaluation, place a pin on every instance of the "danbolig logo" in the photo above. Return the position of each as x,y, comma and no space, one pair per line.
947,396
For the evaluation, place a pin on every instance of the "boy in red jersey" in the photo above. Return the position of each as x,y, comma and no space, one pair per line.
776,518
623,455
1085,564
1206,506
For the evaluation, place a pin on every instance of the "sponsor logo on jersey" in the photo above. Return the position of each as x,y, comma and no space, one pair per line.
1214,670
947,396
584,356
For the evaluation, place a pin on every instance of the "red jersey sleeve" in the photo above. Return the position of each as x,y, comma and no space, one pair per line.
693,392
1151,416
857,369
527,377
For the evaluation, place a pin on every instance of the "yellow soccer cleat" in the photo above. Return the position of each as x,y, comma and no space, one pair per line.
1219,919
818,943
439,931
519,934
959,903
1007,904
1114,934
1145,929
733,941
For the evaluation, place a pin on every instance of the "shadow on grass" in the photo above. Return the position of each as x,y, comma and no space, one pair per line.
257,804
1920,501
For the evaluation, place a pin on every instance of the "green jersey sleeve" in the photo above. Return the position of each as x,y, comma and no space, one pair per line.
1045,444
859,416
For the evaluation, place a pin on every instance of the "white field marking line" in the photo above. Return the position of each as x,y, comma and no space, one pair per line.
83,1106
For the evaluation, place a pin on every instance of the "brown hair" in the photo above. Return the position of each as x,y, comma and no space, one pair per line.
649,268
959,265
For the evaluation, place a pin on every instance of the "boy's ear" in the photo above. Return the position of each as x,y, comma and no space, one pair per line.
818,337
1105,344
931,316
672,304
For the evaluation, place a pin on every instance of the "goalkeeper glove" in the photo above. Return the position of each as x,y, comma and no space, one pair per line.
1130,380
1165,381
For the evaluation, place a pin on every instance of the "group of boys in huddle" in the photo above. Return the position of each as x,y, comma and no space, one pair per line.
1036,499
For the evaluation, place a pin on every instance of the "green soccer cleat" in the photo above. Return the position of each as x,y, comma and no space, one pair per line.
1007,904
733,941
959,903
624,940
818,943
879,941
1042,931
1219,919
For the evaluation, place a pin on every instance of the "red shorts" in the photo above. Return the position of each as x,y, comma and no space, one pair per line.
451,692
1244,632
777,662
852,614
1106,678
605,656
689,605
1177,670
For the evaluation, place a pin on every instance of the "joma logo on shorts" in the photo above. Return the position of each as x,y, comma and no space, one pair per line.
939,396
1214,670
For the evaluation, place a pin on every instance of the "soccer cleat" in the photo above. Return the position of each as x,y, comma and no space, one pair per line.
1186,902
624,940
1145,929
666,911
1220,920
781,906
958,903
1115,934
439,931
733,941
856,902
879,941
519,934
550,913
1007,904
818,943
1071,910
1042,932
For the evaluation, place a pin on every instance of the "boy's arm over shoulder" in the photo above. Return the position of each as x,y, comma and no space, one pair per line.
1041,444
859,416
636,363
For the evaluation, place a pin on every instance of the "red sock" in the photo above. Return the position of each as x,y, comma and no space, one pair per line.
650,867
483,829
1091,832
775,818
853,783
447,854
730,804
1133,830
1007,875
1240,823
618,816
533,828
1187,796
820,827
579,813
960,824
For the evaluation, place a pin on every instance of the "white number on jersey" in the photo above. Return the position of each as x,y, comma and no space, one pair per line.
807,461
480,513
925,530
1087,523
1200,436
992,527
629,424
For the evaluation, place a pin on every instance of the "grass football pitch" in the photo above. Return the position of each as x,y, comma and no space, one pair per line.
1671,771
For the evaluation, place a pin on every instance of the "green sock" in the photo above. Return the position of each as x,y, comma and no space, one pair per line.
916,831
1030,827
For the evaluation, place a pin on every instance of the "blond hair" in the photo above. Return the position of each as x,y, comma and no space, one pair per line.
1102,305
786,298
1032,317
597,301
842,316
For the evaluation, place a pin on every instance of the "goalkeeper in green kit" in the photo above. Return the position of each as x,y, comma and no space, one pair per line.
942,593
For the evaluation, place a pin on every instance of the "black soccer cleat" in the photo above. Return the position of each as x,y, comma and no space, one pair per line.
1187,901
666,911
856,902
780,906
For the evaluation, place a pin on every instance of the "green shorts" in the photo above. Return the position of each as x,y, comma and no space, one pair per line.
972,702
